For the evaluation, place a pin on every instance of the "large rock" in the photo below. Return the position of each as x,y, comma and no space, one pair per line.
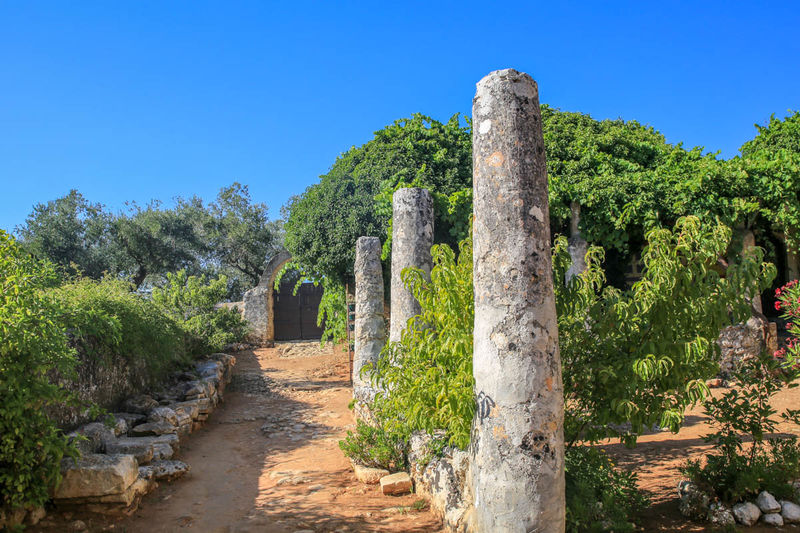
740,342
746,513
790,512
772,519
96,435
141,404
191,407
131,419
163,414
153,428
767,503
210,369
96,475
394,484
368,474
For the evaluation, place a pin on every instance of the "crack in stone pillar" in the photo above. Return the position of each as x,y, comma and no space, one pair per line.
517,445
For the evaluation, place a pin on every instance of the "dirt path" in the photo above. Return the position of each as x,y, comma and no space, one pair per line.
289,476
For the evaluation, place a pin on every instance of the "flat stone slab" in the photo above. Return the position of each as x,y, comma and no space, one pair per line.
139,447
152,429
394,484
96,475
369,475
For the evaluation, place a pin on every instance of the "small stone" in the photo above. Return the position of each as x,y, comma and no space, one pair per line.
78,525
399,483
772,519
694,502
369,475
746,513
719,515
790,512
767,503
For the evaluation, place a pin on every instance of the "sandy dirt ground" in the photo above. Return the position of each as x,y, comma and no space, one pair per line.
289,476
268,461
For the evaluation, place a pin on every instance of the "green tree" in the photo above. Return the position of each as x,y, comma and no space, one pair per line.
326,220
72,233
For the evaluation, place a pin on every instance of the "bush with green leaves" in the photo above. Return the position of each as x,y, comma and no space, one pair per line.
744,460
639,357
33,346
600,496
371,445
106,318
191,301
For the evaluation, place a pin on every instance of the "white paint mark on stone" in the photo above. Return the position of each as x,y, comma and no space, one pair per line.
486,125
536,213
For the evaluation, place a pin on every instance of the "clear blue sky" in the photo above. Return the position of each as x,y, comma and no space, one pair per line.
133,100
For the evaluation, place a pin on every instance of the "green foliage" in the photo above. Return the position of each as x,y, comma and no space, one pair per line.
72,233
33,346
771,162
788,302
190,301
429,372
639,357
106,317
600,496
734,471
373,446
326,220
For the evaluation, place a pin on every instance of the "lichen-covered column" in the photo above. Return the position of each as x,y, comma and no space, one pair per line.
370,330
749,242
412,238
517,445
577,246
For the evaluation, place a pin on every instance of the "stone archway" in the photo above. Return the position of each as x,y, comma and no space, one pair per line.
259,304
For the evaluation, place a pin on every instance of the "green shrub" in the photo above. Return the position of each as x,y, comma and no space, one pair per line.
107,318
373,446
600,496
190,301
32,347
429,372
733,471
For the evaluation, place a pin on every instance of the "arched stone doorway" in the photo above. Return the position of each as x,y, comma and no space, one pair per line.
280,315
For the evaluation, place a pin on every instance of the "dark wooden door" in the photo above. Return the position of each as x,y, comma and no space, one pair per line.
296,315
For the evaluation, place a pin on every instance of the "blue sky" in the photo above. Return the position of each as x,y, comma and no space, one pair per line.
133,100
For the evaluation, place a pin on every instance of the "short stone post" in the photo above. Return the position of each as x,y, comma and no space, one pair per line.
577,246
412,238
370,330
517,446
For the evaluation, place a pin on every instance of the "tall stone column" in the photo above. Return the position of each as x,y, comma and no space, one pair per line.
517,445
577,246
412,238
748,242
370,330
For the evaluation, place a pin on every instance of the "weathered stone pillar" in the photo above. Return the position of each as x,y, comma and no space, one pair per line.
517,445
412,238
577,246
792,264
370,330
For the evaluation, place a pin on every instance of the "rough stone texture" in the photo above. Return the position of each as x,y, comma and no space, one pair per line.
412,238
790,512
152,428
719,515
370,328
517,445
767,503
163,414
442,479
96,435
141,404
694,502
131,419
748,242
164,470
140,447
369,475
96,475
394,484
772,519
740,342
577,246
746,513
258,302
